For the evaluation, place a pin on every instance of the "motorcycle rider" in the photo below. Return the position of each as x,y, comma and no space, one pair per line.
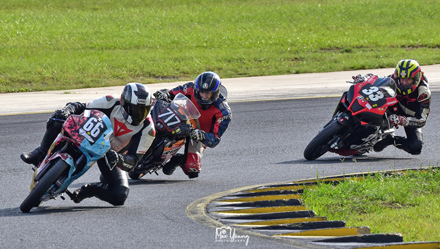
414,99
133,134
215,112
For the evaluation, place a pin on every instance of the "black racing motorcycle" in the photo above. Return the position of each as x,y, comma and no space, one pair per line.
174,120
360,120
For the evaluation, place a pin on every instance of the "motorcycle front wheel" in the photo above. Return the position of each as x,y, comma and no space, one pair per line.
320,144
34,197
135,175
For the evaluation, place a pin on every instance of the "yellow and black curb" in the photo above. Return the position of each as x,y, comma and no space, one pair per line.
276,212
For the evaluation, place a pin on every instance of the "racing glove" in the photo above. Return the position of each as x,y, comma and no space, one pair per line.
66,111
358,78
111,158
198,135
396,120
162,95
60,115
126,162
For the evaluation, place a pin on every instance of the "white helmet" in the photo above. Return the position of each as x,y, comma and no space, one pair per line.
136,102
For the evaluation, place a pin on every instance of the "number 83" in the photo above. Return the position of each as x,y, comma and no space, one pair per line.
373,93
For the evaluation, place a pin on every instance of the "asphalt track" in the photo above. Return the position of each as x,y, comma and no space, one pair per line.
264,144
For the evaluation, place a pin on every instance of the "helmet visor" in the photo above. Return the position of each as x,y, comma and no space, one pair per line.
206,98
139,113
406,83
205,95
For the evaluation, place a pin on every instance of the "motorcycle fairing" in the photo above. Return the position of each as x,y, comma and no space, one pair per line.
369,100
172,149
168,119
88,132
173,121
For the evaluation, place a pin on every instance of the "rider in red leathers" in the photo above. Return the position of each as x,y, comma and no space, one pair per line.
215,112
133,133
414,99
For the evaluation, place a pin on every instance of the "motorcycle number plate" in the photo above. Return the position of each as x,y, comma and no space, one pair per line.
169,119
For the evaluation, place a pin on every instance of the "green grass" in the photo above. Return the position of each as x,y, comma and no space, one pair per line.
406,204
57,44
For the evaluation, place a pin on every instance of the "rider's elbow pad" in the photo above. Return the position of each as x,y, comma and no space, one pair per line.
211,143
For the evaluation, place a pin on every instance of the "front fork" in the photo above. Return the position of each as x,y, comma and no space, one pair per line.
33,180
343,119
341,106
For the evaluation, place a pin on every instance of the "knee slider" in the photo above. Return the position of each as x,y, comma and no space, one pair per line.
415,148
119,195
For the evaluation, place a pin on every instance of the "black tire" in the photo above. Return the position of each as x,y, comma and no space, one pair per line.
33,199
320,143
135,175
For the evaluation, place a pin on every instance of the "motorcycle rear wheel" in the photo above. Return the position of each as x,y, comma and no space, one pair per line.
320,143
33,199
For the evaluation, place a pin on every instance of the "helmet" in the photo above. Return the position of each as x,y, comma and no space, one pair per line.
207,83
407,75
136,102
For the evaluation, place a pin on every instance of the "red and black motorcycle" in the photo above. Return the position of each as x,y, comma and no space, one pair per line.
360,119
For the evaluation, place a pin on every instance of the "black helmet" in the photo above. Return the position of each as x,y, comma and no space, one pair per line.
136,102
207,82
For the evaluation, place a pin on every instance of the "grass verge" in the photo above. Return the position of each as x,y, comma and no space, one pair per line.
406,203
59,45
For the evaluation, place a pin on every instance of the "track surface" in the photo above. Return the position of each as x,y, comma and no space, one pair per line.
264,144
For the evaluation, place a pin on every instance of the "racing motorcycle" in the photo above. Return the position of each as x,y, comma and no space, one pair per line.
360,120
174,120
83,140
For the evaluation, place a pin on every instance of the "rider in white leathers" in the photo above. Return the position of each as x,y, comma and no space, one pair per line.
133,134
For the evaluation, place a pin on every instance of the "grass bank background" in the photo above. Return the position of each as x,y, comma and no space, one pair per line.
57,44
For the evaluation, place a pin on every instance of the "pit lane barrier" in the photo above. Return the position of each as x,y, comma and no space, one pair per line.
276,212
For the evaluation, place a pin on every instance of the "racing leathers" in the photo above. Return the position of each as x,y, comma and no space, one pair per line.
214,121
415,107
129,141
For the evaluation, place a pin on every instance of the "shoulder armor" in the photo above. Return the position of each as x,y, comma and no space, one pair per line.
424,79
105,102
424,92
224,107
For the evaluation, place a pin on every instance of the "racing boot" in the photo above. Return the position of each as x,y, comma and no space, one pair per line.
171,166
86,191
382,144
36,156
115,195
192,175
192,165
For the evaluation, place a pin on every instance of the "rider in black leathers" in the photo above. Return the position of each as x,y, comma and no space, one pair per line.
414,99
133,134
